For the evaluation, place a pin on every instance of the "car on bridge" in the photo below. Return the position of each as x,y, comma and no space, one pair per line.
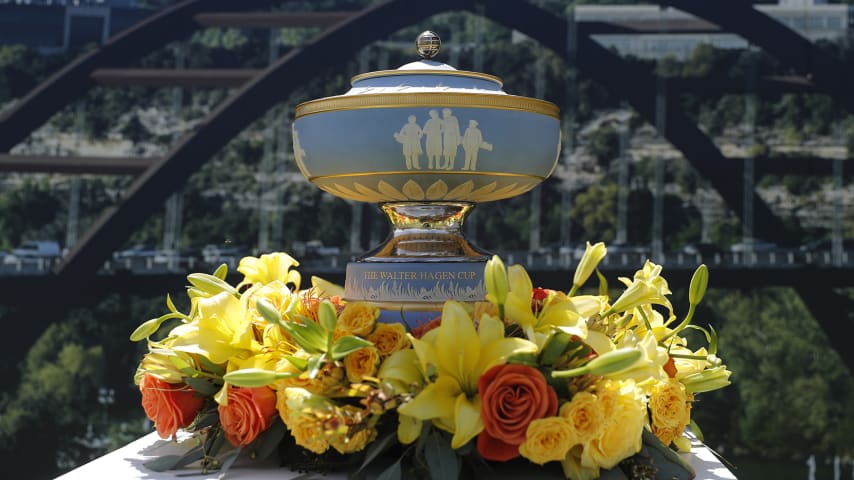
136,252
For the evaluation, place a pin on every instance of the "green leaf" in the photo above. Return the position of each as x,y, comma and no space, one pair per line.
315,363
204,419
211,284
441,459
327,315
309,336
713,341
393,472
667,462
204,387
603,283
523,358
227,461
147,329
300,363
269,312
269,440
377,448
221,272
209,366
170,305
347,345
150,327
695,429
554,348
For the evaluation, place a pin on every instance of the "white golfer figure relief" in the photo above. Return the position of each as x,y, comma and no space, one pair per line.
433,132
450,139
443,141
472,144
410,137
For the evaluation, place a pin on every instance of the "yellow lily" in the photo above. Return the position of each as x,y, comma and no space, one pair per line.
593,254
459,355
220,330
269,267
558,310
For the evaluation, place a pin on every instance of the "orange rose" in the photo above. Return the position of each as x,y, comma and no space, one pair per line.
170,406
249,412
511,397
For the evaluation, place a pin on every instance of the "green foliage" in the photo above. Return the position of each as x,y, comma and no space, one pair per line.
792,392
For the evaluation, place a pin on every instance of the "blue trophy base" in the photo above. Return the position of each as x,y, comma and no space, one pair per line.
413,293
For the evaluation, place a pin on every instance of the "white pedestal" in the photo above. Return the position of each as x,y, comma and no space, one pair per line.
127,463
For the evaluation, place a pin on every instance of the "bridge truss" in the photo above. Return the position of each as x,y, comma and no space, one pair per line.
346,32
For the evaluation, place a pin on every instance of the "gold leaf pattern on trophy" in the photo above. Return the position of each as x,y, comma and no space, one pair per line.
438,190
389,191
375,195
460,192
413,191
501,192
521,189
482,192
350,194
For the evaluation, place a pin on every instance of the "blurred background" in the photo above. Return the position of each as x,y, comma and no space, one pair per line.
143,140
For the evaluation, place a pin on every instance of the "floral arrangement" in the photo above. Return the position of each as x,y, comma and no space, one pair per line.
582,382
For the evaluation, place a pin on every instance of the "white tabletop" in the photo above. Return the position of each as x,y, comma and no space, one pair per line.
127,463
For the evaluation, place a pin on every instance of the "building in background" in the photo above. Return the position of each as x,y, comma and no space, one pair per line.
814,19
52,26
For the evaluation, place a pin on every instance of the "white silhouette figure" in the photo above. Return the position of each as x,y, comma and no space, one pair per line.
410,137
433,131
811,467
450,138
472,143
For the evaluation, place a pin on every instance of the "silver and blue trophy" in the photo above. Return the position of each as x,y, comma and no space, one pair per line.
426,142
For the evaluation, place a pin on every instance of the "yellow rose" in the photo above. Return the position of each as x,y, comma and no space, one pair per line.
668,403
328,382
586,416
547,439
389,338
626,413
358,319
361,363
308,433
354,442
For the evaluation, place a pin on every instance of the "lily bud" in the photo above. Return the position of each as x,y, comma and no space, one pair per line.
610,363
495,278
707,380
699,282
593,254
253,377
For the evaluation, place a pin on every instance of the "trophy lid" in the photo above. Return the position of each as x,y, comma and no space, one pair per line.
425,75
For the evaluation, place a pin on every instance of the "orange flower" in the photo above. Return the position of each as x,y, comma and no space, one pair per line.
249,412
512,396
170,406
420,330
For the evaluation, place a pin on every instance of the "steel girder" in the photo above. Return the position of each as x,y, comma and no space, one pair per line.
75,79
334,47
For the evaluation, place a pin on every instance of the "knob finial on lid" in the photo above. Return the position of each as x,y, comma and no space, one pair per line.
428,44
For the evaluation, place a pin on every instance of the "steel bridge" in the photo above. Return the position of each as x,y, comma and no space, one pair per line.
813,70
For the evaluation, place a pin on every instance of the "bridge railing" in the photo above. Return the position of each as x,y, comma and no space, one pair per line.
162,264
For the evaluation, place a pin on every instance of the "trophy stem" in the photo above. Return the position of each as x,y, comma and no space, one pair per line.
426,232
